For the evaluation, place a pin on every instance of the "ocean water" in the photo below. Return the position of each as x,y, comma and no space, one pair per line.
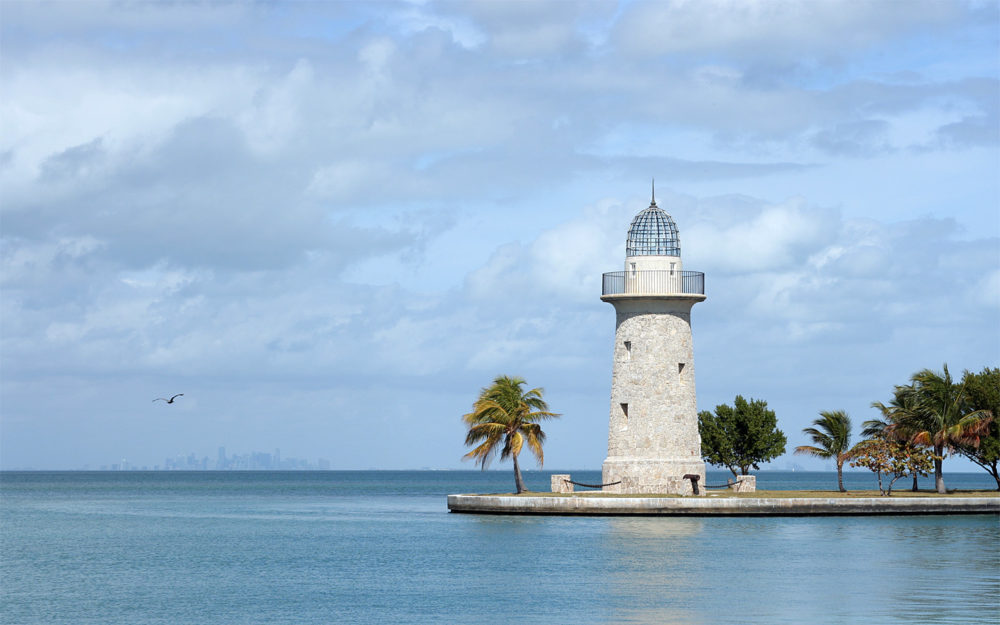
380,547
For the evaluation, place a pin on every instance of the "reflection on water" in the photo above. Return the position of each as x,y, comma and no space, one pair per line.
795,570
656,576
638,528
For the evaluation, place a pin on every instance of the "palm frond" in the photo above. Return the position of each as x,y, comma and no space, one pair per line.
512,445
875,428
535,437
813,451
820,438
481,431
832,435
539,415
484,453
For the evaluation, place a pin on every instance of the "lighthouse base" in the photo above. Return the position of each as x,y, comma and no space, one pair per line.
652,476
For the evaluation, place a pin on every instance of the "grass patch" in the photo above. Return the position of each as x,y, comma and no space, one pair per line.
801,494
765,494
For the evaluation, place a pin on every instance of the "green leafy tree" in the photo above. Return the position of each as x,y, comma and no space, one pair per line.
879,428
503,419
983,392
740,436
934,411
832,439
893,458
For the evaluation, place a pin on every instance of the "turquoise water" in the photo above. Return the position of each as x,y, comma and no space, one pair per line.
380,547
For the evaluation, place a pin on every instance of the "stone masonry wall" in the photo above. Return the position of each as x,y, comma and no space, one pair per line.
653,436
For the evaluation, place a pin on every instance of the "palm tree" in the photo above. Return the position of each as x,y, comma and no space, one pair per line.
832,436
938,415
503,419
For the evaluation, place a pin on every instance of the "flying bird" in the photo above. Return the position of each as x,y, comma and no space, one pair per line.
169,401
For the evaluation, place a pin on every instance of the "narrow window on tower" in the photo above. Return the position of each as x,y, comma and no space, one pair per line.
625,412
680,368
628,350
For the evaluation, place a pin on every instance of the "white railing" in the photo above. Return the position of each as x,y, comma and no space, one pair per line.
653,282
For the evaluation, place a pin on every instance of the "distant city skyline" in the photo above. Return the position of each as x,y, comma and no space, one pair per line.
250,461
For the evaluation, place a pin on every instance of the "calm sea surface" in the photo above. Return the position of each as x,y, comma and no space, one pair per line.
380,547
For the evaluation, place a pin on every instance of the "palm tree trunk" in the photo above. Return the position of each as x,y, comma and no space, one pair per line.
518,480
938,475
840,475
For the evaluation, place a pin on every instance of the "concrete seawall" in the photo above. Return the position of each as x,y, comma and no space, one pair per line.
730,506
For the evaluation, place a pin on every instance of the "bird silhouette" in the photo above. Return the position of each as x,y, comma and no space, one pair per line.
169,401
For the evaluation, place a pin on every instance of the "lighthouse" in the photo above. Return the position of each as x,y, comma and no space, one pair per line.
653,440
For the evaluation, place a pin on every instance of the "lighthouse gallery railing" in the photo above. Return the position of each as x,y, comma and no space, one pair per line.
653,282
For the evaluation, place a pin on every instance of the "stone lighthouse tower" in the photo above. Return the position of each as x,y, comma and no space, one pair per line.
653,439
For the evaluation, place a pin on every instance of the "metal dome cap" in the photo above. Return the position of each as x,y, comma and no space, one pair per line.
653,233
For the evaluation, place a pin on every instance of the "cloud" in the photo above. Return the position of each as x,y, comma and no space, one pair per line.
201,198
767,28
563,262
860,138
763,238
74,162
343,213
524,30
786,278
797,272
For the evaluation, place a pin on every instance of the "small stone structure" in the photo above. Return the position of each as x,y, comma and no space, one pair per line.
744,484
561,483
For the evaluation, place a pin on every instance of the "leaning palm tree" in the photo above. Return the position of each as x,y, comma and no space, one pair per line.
832,436
503,419
937,415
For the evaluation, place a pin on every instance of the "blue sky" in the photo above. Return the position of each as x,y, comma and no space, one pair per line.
330,224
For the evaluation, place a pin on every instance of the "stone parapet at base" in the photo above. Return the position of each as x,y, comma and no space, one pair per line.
561,483
641,476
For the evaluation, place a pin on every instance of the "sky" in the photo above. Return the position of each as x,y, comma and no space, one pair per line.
330,224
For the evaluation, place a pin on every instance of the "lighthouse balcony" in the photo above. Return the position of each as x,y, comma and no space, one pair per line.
654,282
